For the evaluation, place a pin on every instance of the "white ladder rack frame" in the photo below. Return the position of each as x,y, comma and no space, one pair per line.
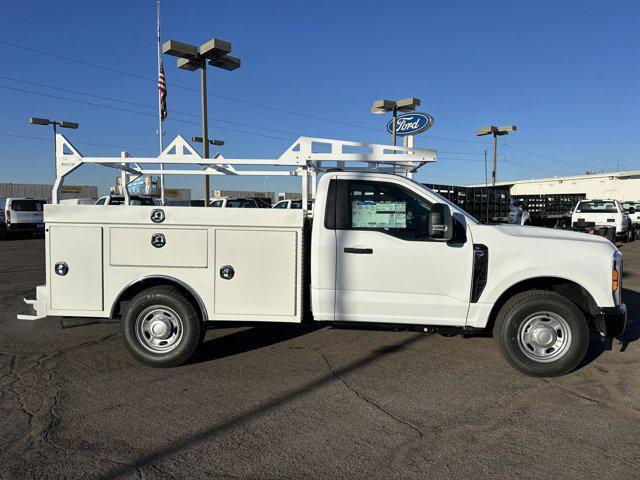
300,158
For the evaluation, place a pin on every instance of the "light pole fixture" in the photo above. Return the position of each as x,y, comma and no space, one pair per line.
496,132
55,123
385,106
192,58
218,143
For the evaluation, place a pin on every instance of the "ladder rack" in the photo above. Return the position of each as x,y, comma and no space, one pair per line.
306,157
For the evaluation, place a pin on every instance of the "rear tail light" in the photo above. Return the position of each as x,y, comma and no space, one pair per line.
616,279
7,216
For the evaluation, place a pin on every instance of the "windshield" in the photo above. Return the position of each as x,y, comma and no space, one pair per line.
597,206
240,203
628,205
27,205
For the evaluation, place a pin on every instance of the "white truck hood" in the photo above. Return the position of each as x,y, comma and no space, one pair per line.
549,233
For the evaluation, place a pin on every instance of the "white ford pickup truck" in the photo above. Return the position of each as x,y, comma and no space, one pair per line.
379,249
607,214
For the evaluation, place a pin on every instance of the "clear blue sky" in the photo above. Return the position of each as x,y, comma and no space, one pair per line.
566,73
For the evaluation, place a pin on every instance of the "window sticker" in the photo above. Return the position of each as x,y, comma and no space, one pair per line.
371,214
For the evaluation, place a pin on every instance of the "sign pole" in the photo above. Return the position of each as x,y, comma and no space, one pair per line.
495,159
393,133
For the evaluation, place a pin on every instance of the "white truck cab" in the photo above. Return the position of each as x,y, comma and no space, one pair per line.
379,249
602,213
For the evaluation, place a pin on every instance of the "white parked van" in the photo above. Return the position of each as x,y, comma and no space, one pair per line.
23,215
379,249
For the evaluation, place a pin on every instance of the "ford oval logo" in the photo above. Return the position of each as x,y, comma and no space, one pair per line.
411,123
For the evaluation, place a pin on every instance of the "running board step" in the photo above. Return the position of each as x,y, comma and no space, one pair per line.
72,322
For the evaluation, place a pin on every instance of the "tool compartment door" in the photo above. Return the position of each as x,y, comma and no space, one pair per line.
80,248
263,278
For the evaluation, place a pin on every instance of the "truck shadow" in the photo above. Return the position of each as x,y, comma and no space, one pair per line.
631,333
208,432
252,338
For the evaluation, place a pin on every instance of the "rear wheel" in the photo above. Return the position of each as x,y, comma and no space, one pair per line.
161,327
542,334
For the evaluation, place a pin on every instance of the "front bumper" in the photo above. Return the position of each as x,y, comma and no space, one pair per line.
612,321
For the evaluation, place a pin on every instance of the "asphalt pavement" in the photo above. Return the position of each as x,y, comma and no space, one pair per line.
290,402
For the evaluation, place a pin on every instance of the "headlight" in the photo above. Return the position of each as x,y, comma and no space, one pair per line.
616,278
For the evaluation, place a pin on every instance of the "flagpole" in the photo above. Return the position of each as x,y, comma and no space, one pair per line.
160,107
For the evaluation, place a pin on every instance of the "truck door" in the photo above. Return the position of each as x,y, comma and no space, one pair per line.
387,269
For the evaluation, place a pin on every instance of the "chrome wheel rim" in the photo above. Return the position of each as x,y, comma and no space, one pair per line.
544,337
159,329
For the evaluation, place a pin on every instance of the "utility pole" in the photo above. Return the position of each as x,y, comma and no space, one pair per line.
496,132
191,58
486,182
205,126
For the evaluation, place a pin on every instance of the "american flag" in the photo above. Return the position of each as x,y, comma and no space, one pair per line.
162,88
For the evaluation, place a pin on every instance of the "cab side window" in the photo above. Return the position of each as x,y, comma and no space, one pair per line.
388,208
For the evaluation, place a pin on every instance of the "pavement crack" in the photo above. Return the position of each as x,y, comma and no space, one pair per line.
575,394
338,377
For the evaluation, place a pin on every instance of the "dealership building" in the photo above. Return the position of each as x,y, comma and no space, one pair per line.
620,186
40,191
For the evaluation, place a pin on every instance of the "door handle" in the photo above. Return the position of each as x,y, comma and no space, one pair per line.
362,251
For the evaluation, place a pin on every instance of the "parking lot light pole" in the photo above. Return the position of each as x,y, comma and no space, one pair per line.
55,123
218,143
192,58
385,106
496,132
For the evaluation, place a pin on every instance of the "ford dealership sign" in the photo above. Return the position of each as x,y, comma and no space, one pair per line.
411,123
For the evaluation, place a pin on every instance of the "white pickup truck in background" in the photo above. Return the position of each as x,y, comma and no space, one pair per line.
379,248
607,214
121,200
292,203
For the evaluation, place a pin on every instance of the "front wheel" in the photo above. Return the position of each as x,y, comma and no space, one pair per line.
542,334
161,327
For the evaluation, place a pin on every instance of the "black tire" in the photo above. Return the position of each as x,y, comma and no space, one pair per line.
3,232
516,317
175,311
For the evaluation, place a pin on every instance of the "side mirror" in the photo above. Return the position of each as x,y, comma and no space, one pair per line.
440,223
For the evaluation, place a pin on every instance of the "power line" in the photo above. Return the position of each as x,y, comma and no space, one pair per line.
126,102
543,156
225,97
79,143
279,79
134,111
149,79
67,21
